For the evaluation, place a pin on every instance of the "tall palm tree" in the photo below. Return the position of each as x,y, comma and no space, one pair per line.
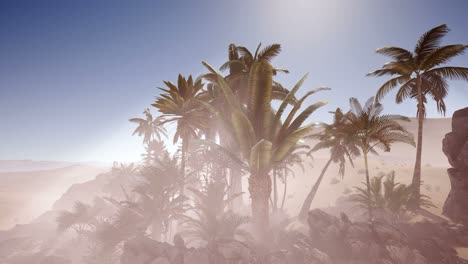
240,61
263,139
335,137
420,74
372,130
179,104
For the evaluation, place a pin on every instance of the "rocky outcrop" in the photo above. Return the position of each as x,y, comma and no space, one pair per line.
455,147
381,242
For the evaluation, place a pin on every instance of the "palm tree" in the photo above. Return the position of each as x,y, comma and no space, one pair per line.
263,139
341,144
211,222
420,74
83,218
282,170
159,199
154,150
388,196
240,61
121,175
151,129
179,104
371,130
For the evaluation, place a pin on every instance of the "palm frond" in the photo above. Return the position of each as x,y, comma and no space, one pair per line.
389,85
451,73
442,55
269,52
396,53
429,41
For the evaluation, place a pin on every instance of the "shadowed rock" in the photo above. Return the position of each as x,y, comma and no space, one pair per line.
455,147
381,242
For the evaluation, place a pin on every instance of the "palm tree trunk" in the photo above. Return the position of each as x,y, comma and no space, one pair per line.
416,182
310,197
285,187
236,188
369,197
182,166
275,191
260,191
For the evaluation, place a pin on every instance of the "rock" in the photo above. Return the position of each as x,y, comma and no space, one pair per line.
455,147
142,250
54,260
379,241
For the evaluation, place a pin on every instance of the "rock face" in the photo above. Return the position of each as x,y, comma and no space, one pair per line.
455,147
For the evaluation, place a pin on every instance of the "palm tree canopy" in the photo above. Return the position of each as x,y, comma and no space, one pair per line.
375,130
178,103
212,222
338,140
149,128
240,62
251,124
426,61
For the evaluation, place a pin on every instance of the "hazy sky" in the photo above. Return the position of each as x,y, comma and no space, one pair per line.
73,72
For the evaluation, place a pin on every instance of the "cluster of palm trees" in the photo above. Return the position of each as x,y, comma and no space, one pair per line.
228,126
234,114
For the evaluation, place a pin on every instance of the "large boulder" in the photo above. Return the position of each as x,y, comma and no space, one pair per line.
455,147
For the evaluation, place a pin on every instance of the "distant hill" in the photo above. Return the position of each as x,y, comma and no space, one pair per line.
25,193
30,165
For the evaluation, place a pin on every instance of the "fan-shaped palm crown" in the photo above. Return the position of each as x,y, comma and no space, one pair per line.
421,74
373,130
150,128
240,62
178,104
422,66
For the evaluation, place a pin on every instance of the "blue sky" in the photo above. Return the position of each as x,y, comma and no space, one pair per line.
73,72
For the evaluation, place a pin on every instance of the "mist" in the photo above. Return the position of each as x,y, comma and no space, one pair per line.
230,152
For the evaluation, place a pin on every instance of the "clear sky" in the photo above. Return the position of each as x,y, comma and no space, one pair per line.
73,72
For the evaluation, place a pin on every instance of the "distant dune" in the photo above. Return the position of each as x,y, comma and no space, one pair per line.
31,188
30,165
